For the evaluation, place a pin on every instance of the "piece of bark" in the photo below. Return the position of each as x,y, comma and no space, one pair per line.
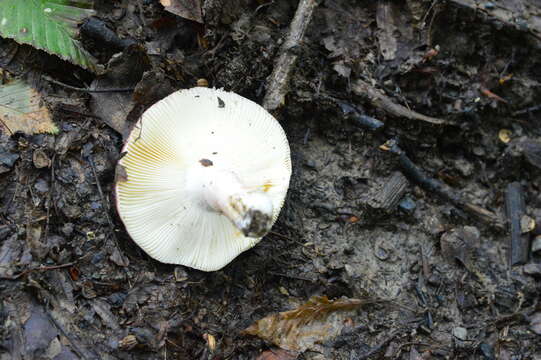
515,209
388,197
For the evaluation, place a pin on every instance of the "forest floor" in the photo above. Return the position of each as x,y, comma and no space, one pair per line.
415,133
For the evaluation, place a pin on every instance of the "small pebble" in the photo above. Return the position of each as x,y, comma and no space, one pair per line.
381,253
460,333
310,164
407,205
487,351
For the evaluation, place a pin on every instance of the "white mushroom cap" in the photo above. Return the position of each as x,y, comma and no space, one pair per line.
207,174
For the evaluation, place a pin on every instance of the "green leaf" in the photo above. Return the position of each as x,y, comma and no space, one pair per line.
49,25
22,109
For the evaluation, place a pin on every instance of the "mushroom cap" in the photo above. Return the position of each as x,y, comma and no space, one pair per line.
188,130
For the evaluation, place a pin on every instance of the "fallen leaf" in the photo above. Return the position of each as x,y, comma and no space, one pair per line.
459,244
22,109
188,9
277,354
49,25
124,71
316,321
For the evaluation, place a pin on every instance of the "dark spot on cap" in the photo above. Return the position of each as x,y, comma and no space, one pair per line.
206,162
214,153
196,96
221,103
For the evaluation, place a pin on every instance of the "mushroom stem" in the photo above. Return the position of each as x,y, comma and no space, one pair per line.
251,212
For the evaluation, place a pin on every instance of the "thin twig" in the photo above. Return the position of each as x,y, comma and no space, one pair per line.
83,354
87,90
441,189
277,84
48,268
50,199
382,101
105,204
290,276
378,348
42,268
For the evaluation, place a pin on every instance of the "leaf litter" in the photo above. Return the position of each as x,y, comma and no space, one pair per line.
316,321
22,109
188,9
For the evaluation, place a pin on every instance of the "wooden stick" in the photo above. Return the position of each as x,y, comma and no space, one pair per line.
277,83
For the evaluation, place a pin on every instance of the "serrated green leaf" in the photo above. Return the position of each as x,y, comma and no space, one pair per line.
49,25
22,109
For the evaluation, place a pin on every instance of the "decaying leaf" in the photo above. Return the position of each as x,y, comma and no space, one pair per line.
316,321
459,244
116,109
22,109
49,25
277,354
188,9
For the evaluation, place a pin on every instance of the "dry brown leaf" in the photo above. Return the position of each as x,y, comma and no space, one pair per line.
277,354
188,9
22,109
316,321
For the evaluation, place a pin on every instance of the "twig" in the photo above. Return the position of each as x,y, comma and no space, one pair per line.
87,90
83,354
290,276
277,83
378,99
50,198
105,204
417,175
47,268
379,347
527,110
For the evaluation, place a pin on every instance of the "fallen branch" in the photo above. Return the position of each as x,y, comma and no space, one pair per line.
86,90
382,101
277,83
414,173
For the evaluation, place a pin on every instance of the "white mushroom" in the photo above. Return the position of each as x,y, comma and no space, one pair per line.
205,174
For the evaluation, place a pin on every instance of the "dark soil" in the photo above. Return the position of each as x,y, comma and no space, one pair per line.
74,286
